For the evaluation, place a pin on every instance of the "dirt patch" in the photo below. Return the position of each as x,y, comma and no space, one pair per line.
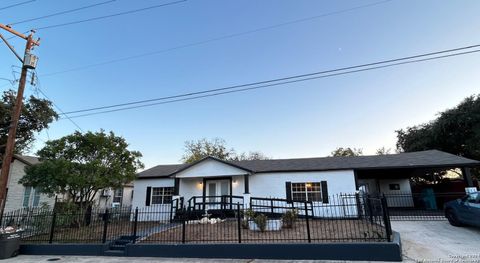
228,232
90,234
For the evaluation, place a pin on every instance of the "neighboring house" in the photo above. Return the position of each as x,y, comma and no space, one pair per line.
120,197
306,179
19,196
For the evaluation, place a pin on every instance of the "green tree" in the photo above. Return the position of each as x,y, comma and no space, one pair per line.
455,130
79,165
346,152
199,149
250,156
383,151
36,115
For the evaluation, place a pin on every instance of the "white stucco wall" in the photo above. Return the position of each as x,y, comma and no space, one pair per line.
261,185
160,212
210,168
397,198
338,182
273,184
17,190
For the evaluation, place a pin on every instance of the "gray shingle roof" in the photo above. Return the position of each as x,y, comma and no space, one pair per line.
431,158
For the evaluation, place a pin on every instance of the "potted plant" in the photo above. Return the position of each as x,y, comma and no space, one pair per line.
260,222
289,218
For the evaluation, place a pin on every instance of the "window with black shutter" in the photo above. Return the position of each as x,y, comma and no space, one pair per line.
288,187
148,196
306,191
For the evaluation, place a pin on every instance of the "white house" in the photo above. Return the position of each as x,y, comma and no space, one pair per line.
305,179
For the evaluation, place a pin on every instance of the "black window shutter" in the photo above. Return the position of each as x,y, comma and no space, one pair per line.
176,186
324,192
288,189
149,194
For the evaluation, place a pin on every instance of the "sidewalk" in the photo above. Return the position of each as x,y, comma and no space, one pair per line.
71,259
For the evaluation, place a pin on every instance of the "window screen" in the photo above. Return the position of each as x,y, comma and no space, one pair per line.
307,192
162,195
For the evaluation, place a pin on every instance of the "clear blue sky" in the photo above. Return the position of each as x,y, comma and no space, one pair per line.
360,110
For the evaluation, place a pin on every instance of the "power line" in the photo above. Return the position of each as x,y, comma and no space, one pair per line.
18,4
353,70
206,41
278,79
62,12
55,105
109,16
59,109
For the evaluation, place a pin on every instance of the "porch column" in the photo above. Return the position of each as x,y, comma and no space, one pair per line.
246,183
467,176
246,201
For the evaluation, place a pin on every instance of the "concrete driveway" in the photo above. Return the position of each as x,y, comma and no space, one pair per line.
422,241
438,241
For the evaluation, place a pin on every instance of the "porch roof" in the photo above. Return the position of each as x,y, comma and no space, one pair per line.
421,159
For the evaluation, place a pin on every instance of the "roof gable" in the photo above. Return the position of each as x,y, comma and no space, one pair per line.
210,167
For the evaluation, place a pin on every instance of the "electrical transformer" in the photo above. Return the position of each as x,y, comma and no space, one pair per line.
30,61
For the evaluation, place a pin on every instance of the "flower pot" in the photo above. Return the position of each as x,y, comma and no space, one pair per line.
272,225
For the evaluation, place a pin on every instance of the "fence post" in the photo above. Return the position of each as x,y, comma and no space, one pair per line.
52,227
386,218
135,226
307,223
239,222
105,226
183,230
359,205
369,206
171,210
271,206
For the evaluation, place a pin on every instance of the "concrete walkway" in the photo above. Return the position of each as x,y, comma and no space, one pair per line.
438,241
156,229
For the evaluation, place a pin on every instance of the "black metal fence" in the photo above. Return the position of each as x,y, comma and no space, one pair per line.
345,218
429,206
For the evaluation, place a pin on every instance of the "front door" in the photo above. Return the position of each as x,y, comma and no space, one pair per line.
217,190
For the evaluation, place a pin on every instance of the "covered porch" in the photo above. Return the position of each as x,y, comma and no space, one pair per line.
211,187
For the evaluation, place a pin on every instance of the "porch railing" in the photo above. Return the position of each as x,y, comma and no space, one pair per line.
275,207
220,202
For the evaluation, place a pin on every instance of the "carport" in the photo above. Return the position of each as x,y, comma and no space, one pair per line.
411,183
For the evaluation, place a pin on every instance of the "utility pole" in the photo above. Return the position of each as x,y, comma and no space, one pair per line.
28,62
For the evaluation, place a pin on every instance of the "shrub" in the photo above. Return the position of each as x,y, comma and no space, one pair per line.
289,218
250,214
261,221
69,215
